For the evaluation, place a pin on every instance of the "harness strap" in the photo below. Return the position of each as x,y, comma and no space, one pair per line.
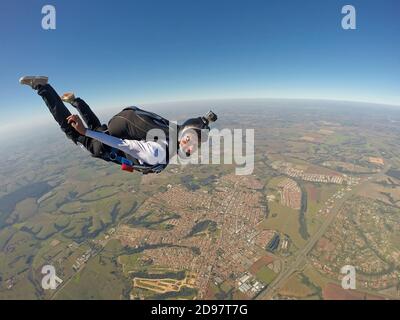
128,165
113,155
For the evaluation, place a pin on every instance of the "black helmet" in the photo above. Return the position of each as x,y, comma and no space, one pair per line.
198,124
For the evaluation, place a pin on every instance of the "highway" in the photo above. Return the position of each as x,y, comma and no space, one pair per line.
300,256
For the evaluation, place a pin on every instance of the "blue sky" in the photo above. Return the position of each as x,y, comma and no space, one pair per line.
130,52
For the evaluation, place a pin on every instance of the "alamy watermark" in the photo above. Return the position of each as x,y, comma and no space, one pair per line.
49,18
349,280
349,21
226,146
50,281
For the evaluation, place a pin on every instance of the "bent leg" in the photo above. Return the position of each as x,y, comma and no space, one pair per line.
60,114
87,114
58,110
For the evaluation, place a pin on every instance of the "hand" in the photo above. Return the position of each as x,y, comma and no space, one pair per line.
77,124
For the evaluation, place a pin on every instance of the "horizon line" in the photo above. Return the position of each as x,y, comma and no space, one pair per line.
44,120
271,98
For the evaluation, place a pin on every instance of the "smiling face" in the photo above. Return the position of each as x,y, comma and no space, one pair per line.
188,143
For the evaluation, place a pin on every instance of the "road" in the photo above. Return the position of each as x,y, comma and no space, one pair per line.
300,256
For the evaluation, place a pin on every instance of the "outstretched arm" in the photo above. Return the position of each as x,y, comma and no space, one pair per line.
148,152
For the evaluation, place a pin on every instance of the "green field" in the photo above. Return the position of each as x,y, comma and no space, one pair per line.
102,278
284,220
265,275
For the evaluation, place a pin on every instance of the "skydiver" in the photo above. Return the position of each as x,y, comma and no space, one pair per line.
123,140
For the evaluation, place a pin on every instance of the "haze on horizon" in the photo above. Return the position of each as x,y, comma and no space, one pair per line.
43,124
